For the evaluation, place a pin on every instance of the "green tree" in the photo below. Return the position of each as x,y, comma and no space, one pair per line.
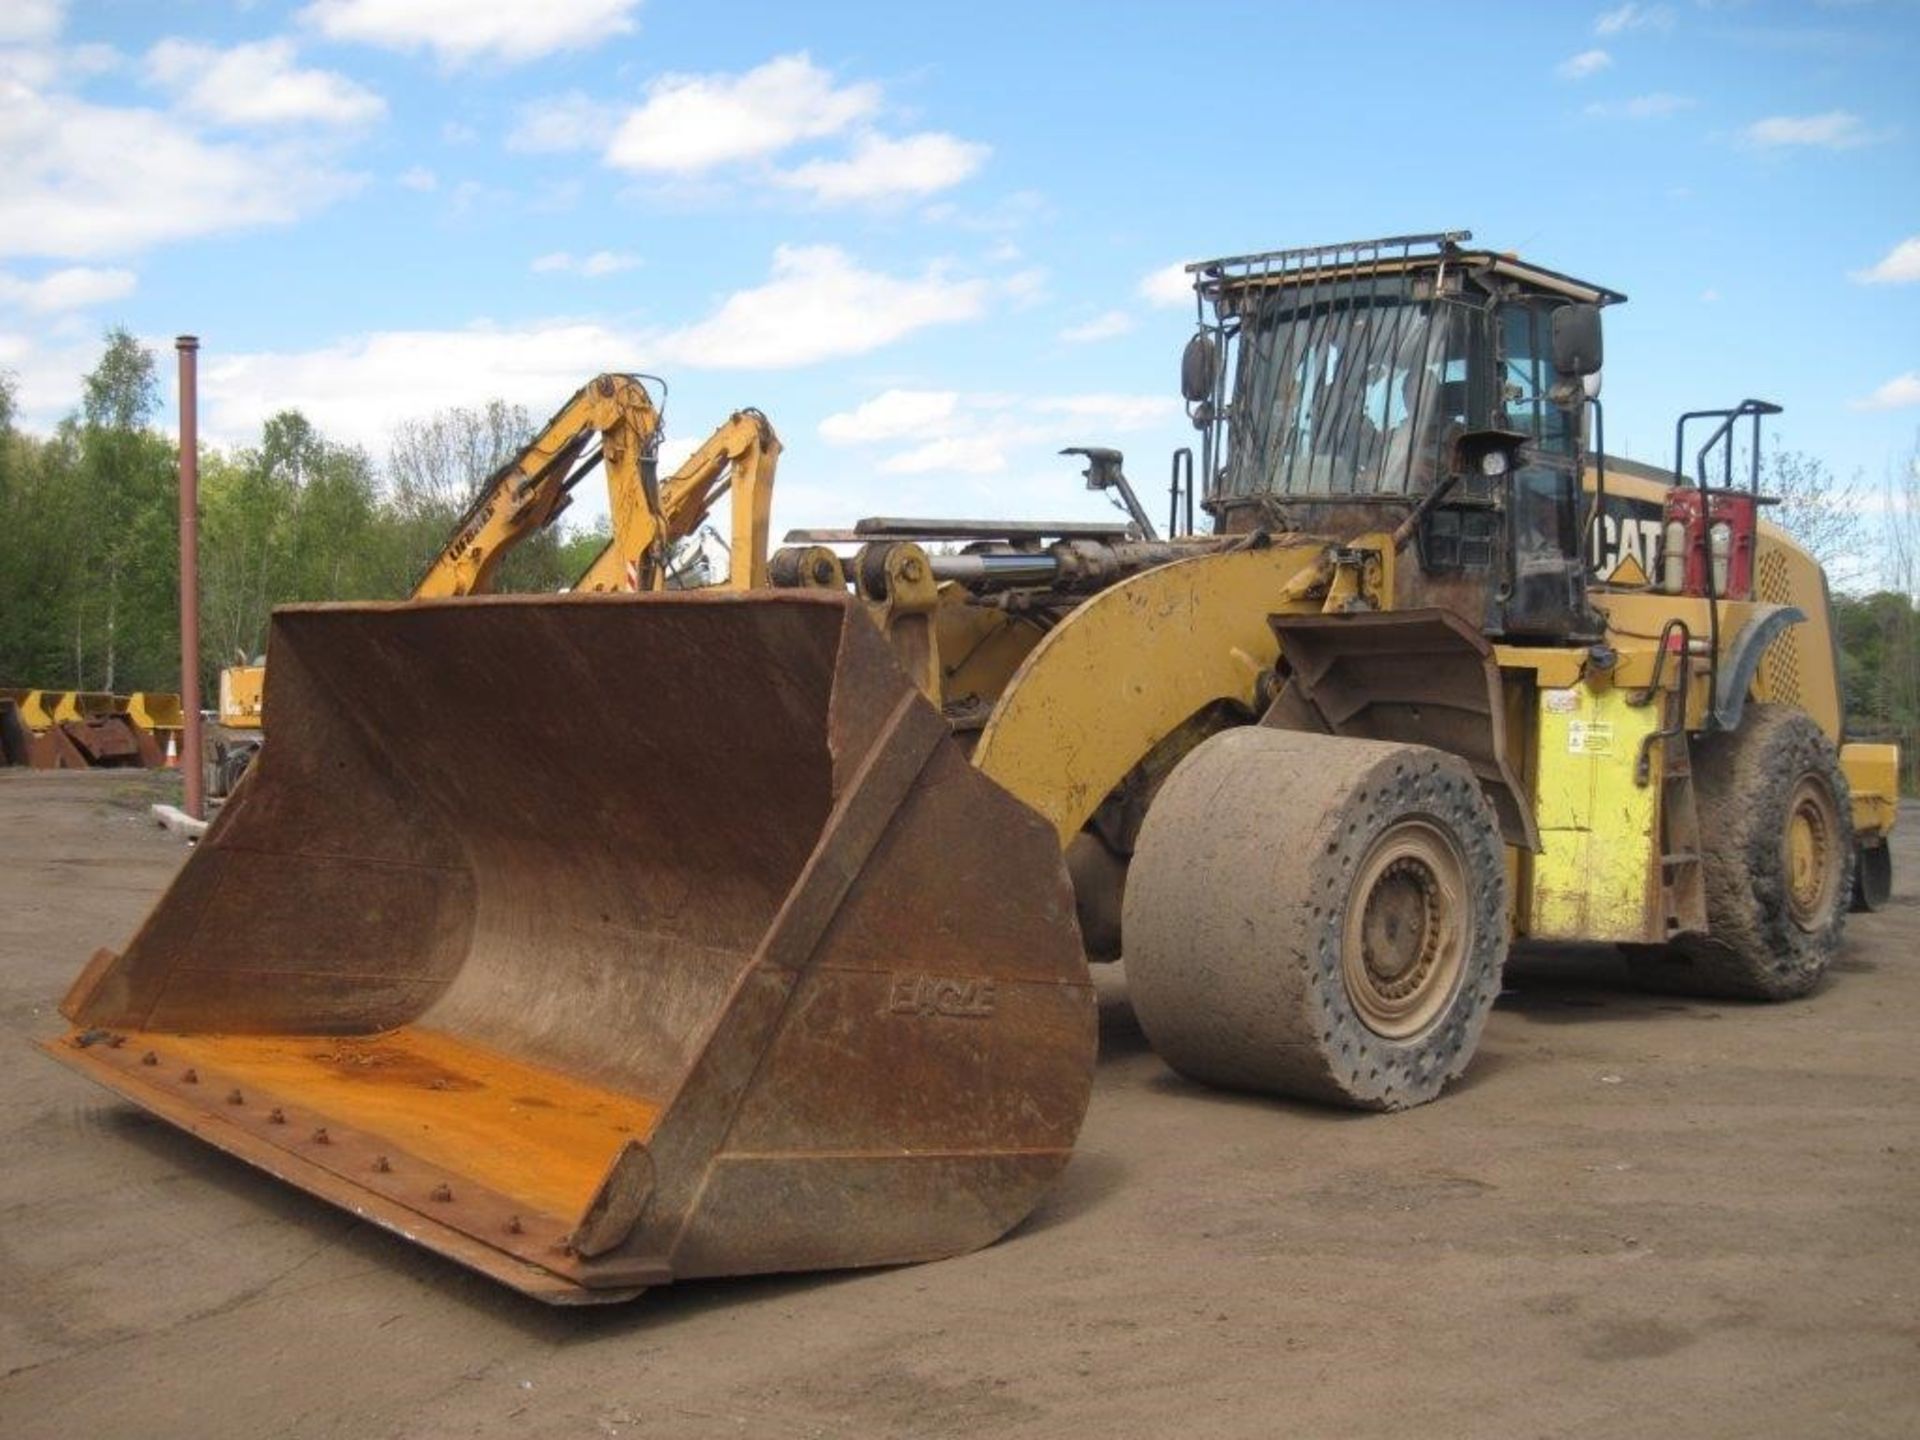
1822,512
125,602
88,580
89,567
296,518
579,548
439,465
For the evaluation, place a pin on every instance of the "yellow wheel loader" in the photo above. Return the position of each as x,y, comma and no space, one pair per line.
602,940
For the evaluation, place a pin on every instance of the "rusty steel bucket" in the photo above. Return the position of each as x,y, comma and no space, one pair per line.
600,941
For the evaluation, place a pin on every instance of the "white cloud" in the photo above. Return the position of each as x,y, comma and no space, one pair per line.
75,288
1900,393
1169,285
1122,412
25,22
891,415
1101,327
692,123
976,453
945,431
1586,63
258,84
358,389
459,31
1834,130
1026,287
881,168
818,305
1899,266
92,59
1631,16
689,125
559,123
417,177
599,263
1656,106
1005,215
47,375
86,180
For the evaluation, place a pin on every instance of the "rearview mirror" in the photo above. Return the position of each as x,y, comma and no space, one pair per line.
1576,339
1199,368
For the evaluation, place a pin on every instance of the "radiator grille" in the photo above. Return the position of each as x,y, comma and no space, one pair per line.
1779,678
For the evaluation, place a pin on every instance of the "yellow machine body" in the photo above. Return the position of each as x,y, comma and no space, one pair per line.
773,954
1597,870
242,696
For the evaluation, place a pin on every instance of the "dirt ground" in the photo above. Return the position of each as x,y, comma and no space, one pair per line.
1637,1216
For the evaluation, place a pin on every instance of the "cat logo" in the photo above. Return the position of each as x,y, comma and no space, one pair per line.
1626,541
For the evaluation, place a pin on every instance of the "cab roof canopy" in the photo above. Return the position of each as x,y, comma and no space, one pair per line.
1391,255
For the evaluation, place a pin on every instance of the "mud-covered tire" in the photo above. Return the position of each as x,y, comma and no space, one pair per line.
231,768
1777,855
1872,877
1317,917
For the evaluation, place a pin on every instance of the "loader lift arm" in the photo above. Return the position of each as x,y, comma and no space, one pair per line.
531,490
739,457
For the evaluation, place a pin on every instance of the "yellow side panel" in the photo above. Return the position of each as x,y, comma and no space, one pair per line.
980,649
1798,666
1873,775
1596,876
1128,668
242,689
153,710
81,704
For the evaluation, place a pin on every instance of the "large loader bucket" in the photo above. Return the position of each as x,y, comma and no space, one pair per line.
599,941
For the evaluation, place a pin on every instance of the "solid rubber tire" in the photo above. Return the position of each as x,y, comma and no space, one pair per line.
1872,877
1237,901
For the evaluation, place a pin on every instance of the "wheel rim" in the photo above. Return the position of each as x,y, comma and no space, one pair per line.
1408,929
1812,854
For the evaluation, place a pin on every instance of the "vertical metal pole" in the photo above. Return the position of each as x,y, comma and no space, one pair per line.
192,764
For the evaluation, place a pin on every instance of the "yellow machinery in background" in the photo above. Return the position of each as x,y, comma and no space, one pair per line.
89,729
607,939
610,421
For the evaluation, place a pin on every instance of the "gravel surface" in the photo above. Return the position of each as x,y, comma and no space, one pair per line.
1635,1216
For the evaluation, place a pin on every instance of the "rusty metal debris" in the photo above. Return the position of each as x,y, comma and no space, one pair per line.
86,730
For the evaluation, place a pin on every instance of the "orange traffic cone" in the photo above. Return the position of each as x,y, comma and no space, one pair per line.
172,762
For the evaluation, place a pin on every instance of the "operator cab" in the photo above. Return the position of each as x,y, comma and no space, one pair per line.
1346,388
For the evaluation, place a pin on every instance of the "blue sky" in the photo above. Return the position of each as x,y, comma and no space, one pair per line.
932,241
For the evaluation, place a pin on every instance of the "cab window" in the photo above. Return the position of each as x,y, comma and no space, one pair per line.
1526,378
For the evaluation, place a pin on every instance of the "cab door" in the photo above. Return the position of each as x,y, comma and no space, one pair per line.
1543,594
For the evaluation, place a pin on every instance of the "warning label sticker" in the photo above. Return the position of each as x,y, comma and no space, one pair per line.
1562,702
1589,737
